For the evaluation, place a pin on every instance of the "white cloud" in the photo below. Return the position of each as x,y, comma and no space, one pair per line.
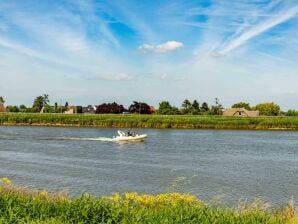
146,47
161,48
258,29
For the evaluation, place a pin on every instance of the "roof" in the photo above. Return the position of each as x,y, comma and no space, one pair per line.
244,112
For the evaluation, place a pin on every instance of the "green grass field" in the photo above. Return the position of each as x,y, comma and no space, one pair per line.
20,205
150,121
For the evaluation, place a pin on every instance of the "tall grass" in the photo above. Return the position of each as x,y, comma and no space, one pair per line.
19,205
150,121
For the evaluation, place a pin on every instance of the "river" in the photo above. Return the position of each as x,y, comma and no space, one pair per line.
215,165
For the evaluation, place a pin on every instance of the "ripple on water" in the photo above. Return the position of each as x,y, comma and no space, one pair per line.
212,164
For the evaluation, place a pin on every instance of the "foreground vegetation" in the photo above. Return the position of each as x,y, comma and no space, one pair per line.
150,121
19,205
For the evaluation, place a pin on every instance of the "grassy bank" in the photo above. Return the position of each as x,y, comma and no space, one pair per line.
150,121
19,205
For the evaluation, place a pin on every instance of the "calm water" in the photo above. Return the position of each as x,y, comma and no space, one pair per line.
211,164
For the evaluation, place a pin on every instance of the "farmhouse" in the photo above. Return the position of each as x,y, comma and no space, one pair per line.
2,108
89,109
240,112
74,110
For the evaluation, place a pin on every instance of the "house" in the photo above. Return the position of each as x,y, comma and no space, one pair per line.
240,112
74,110
2,108
89,109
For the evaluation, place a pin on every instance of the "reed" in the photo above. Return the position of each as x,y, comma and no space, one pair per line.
20,205
150,121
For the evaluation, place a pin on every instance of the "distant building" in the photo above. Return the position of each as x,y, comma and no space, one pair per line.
89,109
74,110
2,108
240,112
71,110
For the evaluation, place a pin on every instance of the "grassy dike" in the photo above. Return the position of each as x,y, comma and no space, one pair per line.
20,205
150,121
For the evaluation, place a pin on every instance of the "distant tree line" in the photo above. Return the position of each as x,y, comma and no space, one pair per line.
165,108
190,108
114,108
42,104
265,109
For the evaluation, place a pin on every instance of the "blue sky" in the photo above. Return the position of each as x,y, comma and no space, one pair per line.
90,52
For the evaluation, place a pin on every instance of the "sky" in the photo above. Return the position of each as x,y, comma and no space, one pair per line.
91,51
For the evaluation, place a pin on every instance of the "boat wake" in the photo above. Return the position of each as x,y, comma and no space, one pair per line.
121,138
103,139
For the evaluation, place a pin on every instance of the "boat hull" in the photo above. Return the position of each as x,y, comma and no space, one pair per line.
130,138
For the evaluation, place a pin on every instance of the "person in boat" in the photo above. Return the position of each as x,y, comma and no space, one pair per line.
129,133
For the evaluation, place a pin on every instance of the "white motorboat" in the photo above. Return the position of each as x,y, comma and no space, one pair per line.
122,136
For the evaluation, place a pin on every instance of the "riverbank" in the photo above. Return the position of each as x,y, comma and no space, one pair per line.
20,205
150,121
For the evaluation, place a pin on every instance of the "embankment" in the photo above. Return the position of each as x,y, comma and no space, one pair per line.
150,121
20,205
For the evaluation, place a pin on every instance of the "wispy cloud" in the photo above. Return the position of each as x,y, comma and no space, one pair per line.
161,48
132,15
119,77
90,46
258,29
23,49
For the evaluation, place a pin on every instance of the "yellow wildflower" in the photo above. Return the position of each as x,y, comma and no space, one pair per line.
156,201
130,195
115,197
43,193
5,180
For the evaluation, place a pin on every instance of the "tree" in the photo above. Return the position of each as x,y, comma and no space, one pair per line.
45,100
195,105
204,107
292,113
66,106
186,106
166,109
23,108
139,107
241,105
107,108
12,109
2,99
268,109
217,109
37,104
40,103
